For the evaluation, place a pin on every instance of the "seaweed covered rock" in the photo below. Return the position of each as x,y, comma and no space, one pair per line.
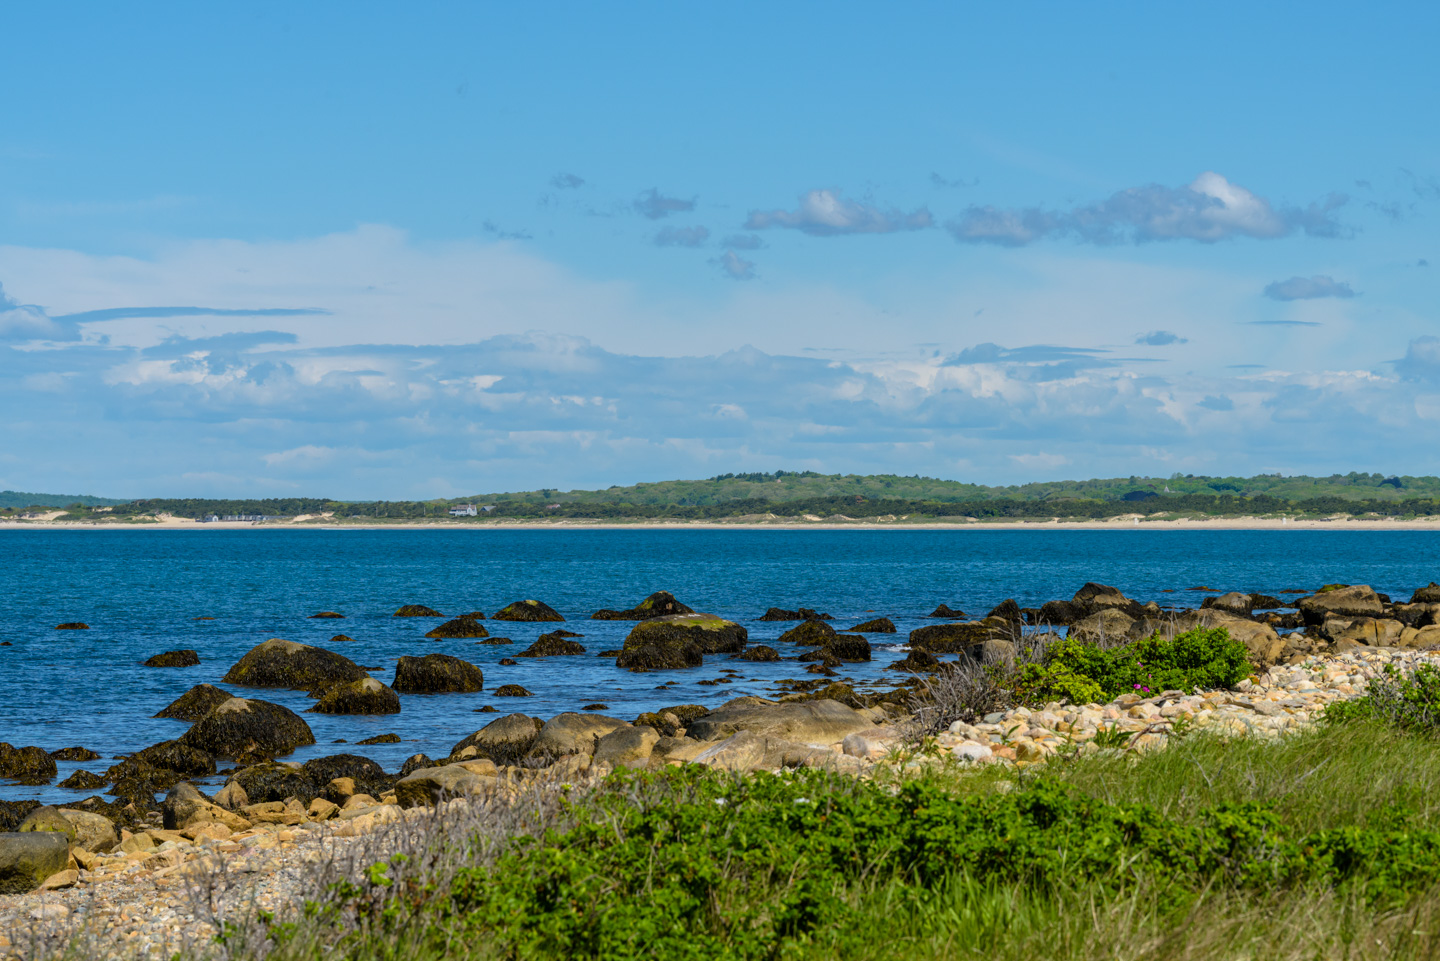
244,725
946,611
177,757
274,782
437,674
326,615
880,625
504,740
848,647
528,611
573,733
381,739
72,626
365,696
809,633
803,614
950,638
916,662
342,639
26,860
1429,594
466,625
74,754
669,721
1008,610
555,644
679,641
195,703
299,667
760,652
659,604
174,659
369,777
13,813
511,690
28,765
417,610
82,781
1098,597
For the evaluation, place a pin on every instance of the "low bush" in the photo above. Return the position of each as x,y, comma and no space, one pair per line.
1405,699
1080,672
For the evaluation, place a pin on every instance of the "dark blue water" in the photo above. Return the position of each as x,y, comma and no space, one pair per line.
140,590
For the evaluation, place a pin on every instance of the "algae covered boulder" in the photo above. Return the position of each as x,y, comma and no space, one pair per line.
950,638
83,781
273,782
27,859
679,641
299,667
659,604
72,626
174,659
365,696
327,615
195,703
28,765
466,625
244,725
946,611
528,611
504,740
880,625
848,647
417,610
554,644
760,652
803,614
437,674
175,756
511,690
808,633
76,753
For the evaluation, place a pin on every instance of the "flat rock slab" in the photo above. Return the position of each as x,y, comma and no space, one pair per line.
812,723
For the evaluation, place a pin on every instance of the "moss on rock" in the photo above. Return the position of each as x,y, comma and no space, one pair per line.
417,610
28,765
552,645
437,674
195,703
466,625
174,659
760,652
529,611
880,625
659,604
299,667
365,696
243,725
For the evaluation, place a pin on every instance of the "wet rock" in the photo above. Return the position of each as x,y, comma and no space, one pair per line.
72,626
137,792
1232,603
951,638
1264,602
28,765
242,725
380,739
659,604
880,625
466,625
174,659
1357,601
365,696
437,674
74,754
504,740
1430,594
511,690
808,633
82,781
597,706
507,662
299,667
177,757
803,614
552,645
496,640
324,615
195,703
573,733
760,652
918,661
819,723
528,611
261,783
413,763
946,611
26,860
417,610
342,639
1007,610
679,641
369,777
12,813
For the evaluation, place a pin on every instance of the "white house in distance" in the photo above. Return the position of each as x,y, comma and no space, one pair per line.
463,510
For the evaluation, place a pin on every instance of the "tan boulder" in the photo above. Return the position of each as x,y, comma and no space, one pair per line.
677,750
431,785
1420,637
1109,624
627,747
1370,631
1356,601
185,806
93,832
748,751
573,733
814,723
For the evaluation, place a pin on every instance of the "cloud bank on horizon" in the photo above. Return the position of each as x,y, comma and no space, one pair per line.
524,287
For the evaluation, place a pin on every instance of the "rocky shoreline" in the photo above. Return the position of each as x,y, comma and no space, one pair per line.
148,877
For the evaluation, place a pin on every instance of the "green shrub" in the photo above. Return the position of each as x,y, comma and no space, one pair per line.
1407,700
1080,672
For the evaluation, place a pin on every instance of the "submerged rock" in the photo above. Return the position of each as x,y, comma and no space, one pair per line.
72,626
365,696
760,652
466,625
803,614
380,739
74,754
809,633
437,674
555,644
324,615
511,690
299,667
659,604
944,610
175,756
174,659
417,610
528,611
880,625
28,765
243,725
195,703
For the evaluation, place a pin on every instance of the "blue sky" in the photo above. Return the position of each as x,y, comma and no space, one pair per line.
364,252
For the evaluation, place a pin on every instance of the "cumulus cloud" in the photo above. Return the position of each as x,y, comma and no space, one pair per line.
25,322
655,205
1308,288
824,213
565,181
735,267
1209,209
682,236
1160,338
743,242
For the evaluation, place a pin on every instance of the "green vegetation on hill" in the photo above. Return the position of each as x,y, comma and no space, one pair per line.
19,499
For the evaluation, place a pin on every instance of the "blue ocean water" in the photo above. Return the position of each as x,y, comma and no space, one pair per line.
140,592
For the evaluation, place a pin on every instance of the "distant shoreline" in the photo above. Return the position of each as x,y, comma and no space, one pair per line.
1120,523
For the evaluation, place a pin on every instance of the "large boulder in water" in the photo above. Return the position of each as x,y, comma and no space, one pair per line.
815,723
760,652
466,625
504,740
679,641
809,633
1429,594
1356,601
437,674
195,703
299,667
174,659
243,725
803,614
417,610
554,644
365,696
528,611
880,625
274,782
28,765
177,757
952,638
659,604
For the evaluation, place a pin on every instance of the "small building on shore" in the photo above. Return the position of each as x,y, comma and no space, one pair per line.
463,510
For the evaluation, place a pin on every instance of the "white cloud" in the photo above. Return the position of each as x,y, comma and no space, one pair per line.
736,267
1308,288
824,213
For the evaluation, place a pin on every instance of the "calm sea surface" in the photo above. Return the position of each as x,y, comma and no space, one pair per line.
140,591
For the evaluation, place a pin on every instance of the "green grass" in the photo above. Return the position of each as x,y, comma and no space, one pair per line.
1179,854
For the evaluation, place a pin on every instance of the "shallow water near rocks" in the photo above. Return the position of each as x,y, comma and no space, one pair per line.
140,592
